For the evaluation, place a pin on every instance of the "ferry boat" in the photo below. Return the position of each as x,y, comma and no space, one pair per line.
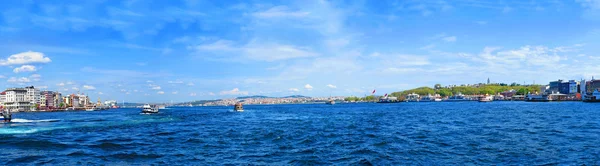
594,97
458,97
431,98
388,99
238,107
413,97
148,109
330,102
486,98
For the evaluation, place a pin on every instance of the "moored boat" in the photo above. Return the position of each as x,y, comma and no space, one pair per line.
413,97
486,98
457,97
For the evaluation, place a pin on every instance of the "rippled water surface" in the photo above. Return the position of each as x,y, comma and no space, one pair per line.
379,134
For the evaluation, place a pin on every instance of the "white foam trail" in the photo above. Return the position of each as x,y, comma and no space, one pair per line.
33,121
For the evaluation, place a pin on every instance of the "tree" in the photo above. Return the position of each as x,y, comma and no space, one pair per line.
444,92
61,105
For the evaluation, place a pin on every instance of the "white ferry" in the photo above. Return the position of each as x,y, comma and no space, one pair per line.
148,109
458,97
413,97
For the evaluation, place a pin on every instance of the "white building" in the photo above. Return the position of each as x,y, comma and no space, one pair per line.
33,95
15,99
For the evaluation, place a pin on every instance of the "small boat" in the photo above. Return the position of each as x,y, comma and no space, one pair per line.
486,98
90,109
330,102
238,107
148,109
458,97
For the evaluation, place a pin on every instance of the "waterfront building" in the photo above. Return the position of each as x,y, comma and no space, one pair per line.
32,95
554,86
564,87
15,99
508,94
2,98
57,99
48,99
573,87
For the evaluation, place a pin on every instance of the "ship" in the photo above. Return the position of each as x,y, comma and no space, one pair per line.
148,109
486,98
458,97
330,102
238,107
388,99
592,98
431,98
413,97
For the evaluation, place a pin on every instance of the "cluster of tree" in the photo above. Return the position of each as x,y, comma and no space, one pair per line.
470,90
366,98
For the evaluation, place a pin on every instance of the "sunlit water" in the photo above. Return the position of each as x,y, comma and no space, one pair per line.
380,134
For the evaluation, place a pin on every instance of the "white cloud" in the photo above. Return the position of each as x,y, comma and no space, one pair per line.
41,87
234,91
192,94
2,76
69,83
210,93
18,80
25,58
35,77
100,93
308,87
190,84
427,47
156,88
175,92
89,87
123,90
175,82
294,89
219,45
25,68
260,51
75,88
274,52
280,12
449,39
160,92
149,81
60,84
331,86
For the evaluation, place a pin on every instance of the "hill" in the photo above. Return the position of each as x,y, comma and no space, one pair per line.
470,90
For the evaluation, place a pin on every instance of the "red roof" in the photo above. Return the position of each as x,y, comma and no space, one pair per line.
3,93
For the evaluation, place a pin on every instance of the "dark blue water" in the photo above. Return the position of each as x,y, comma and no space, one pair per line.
380,134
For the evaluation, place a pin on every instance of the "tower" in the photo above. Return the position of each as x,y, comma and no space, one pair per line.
488,81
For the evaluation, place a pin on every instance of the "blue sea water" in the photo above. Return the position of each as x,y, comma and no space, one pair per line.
443,133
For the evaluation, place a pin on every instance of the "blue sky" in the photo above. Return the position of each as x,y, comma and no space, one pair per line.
148,51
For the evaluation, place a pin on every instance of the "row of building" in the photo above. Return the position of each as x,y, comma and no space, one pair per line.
32,99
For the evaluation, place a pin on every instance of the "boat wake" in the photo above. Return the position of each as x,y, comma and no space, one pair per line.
33,121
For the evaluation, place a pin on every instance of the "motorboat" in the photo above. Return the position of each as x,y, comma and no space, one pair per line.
148,109
238,107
